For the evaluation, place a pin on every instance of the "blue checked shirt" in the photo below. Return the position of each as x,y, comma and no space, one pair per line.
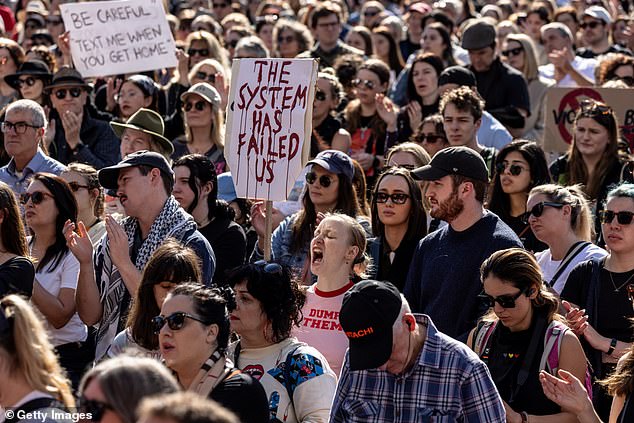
448,383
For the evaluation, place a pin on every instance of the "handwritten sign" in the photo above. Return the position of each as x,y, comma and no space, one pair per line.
269,121
117,37
562,105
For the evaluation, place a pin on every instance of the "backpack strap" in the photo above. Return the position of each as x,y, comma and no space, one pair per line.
573,252
552,347
481,337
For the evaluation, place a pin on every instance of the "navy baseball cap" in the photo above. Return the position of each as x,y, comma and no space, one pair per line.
453,161
109,176
368,312
336,162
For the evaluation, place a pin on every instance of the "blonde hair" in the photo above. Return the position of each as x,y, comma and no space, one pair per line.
218,67
416,150
29,351
530,70
573,195
356,238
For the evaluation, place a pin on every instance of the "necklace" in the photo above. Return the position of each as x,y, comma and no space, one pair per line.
622,285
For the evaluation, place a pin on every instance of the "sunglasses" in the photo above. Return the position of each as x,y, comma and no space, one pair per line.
18,127
76,186
370,13
623,217
590,25
320,95
219,5
513,168
324,180
538,209
199,105
29,81
512,51
431,138
53,21
93,408
270,268
36,197
61,93
201,52
368,84
505,301
590,107
209,77
288,39
175,321
381,198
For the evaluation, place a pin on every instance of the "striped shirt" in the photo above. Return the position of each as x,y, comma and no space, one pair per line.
447,383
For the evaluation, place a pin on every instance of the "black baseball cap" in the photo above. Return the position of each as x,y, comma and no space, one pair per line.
458,75
108,176
453,161
368,312
335,161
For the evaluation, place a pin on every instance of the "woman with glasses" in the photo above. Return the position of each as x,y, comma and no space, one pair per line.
16,269
297,378
407,155
371,14
196,189
170,265
521,328
519,167
193,330
83,181
48,203
371,117
214,74
112,390
592,159
616,67
11,57
560,218
422,94
204,126
431,134
30,80
399,223
329,189
599,293
31,376
518,51
291,38
328,133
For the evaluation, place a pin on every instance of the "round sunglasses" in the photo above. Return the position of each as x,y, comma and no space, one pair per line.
324,180
61,93
29,81
199,105
513,168
175,321
505,301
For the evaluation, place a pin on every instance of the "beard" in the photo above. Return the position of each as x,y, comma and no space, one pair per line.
449,209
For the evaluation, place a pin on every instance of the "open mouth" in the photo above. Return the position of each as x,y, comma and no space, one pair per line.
317,255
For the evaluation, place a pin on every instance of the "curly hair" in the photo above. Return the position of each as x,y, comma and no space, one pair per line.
606,70
464,99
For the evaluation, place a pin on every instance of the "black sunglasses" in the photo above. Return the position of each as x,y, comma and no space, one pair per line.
199,105
513,168
320,95
36,197
175,321
505,301
371,13
430,138
285,40
398,198
219,5
623,217
368,84
76,186
270,268
512,51
591,107
93,409
629,80
538,209
61,93
590,25
208,77
200,52
324,180
29,81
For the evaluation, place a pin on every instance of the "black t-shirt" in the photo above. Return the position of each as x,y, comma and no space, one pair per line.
326,131
244,396
16,277
586,53
525,233
395,271
229,243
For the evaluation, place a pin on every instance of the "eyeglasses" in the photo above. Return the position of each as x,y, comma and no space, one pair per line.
36,197
93,408
398,198
201,52
61,93
591,107
512,51
320,95
371,13
285,40
513,168
368,84
175,321
29,81
324,180
431,138
18,127
53,21
623,217
76,186
538,209
209,77
219,5
199,105
270,268
505,301
590,25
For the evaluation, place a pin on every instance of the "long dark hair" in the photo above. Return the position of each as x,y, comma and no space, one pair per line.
171,262
498,201
432,60
352,112
447,54
12,228
67,210
417,222
395,58
201,171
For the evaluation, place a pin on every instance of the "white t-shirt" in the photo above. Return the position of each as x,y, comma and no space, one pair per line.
65,275
124,342
582,65
549,266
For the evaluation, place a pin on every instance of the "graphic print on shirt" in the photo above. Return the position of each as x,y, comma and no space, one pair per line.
322,319
256,371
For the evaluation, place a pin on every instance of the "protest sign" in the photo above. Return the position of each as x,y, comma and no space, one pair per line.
118,37
562,105
269,123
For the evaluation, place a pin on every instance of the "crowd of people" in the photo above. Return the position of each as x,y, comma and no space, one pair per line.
438,265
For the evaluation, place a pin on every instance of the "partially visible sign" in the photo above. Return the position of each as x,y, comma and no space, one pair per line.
118,37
